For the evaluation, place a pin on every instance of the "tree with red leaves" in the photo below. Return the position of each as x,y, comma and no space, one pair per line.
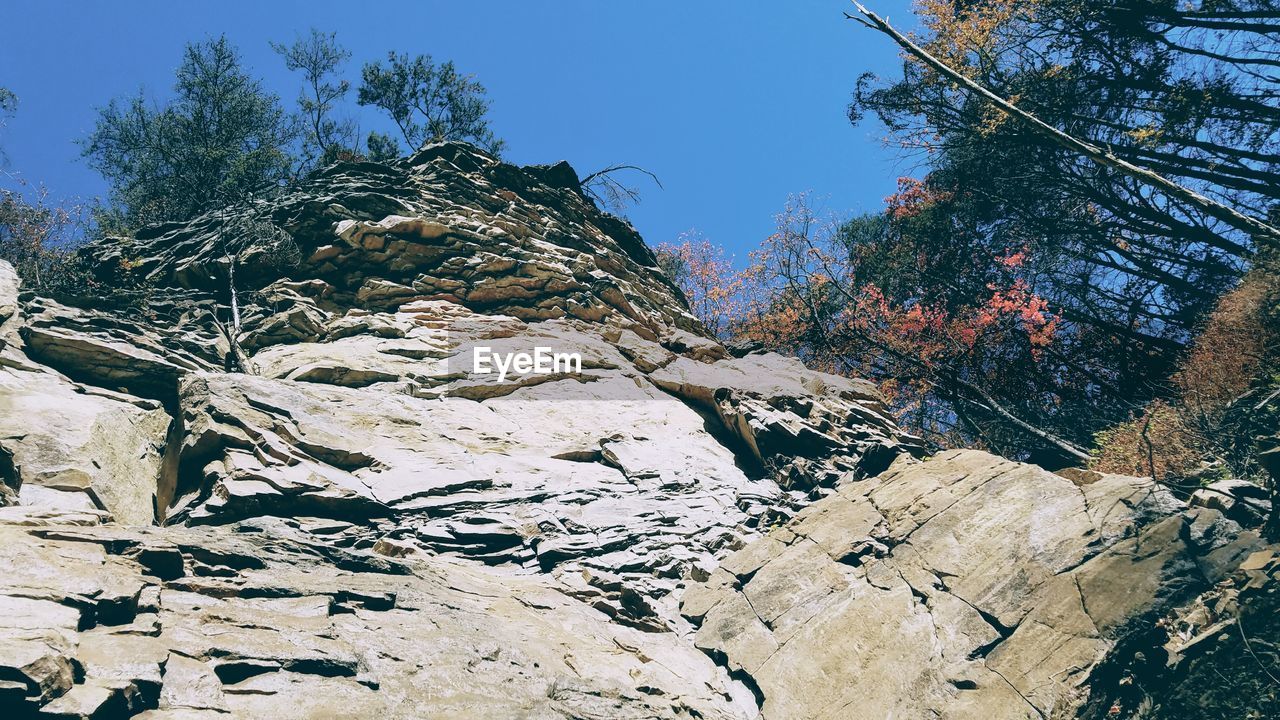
706,276
856,297
1122,156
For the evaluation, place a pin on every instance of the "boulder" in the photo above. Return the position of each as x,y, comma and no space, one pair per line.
73,447
966,586
9,286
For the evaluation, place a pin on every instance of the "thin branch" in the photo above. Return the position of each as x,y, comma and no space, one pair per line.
615,195
615,168
1249,647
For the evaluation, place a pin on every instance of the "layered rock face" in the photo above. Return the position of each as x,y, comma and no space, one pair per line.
267,619
274,482
354,452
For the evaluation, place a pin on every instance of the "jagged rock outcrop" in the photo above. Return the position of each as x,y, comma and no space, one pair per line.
272,481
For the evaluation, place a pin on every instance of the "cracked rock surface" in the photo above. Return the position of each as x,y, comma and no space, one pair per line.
966,586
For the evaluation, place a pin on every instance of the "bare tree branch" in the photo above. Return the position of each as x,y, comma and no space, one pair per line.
602,187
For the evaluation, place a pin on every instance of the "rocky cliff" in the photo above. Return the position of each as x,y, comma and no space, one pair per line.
272,480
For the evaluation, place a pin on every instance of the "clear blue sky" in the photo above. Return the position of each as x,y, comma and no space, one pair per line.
734,105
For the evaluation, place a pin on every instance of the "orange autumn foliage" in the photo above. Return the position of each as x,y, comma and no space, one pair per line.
1172,439
1158,443
935,335
964,33
912,197
1229,352
706,276
800,294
